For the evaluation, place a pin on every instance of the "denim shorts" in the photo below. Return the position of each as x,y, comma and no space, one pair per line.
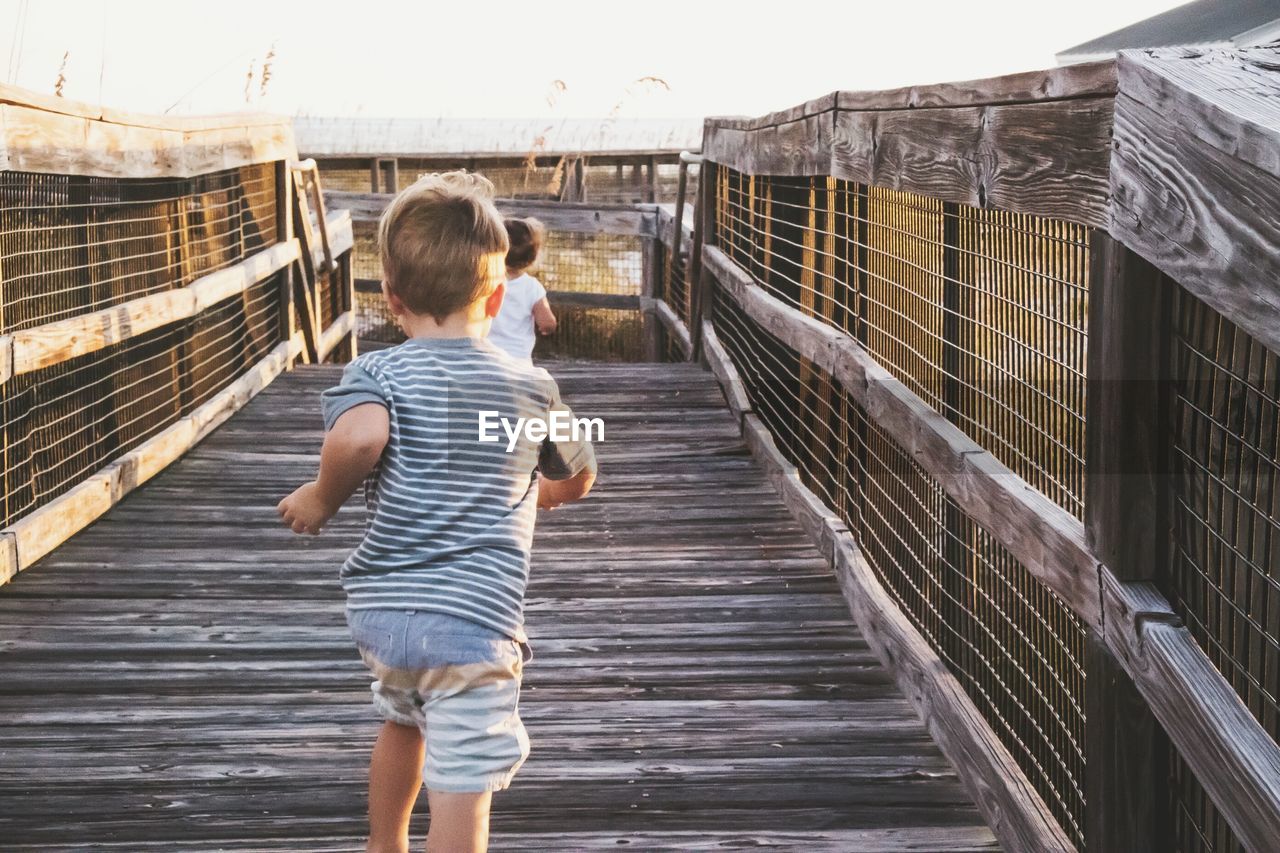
455,680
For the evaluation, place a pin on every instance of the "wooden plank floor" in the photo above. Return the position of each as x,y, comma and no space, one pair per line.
178,677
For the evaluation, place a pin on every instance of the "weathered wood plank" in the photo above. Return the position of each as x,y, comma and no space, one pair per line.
35,139
667,698
1234,758
1048,159
735,392
1195,180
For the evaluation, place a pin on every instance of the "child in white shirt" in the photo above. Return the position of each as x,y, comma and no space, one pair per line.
525,311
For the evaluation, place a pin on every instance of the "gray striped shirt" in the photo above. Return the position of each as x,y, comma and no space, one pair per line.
450,518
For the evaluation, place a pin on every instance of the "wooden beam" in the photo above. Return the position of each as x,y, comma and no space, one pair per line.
1041,535
673,325
1084,80
717,358
37,534
1195,177
557,216
1049,159
37,140
1128,426
1234,758
1004,796
61,340
340,328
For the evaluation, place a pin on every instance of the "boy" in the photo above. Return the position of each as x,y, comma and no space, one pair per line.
435,590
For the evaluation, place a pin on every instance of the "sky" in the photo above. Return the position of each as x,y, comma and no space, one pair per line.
562,58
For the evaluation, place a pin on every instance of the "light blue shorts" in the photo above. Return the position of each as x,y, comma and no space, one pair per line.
456,681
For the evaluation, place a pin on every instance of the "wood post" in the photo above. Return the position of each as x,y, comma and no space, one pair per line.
1126,524
651,272
284,232
698,284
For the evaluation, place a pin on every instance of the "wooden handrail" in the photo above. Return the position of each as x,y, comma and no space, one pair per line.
52,343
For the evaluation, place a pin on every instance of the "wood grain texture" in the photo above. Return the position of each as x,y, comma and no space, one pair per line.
717,358
340,328
1233,757
37,140
1195,180
37,534
1041,535
52,343
674,326
585,218
1007,799
1048,157
689,666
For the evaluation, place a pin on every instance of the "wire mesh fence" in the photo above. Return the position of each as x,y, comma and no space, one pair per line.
69,244
571,263
64,422
1225,577
981,313
1015,647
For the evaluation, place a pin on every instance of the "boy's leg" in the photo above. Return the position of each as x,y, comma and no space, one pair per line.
395,777
459,822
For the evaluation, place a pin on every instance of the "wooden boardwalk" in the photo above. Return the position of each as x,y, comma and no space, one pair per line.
178,677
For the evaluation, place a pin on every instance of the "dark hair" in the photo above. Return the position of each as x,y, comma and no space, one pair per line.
525,236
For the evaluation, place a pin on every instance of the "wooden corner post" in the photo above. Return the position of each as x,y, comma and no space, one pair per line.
703,235
284,233
1126,522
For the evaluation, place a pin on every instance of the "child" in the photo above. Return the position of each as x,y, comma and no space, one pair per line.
525,309
435,589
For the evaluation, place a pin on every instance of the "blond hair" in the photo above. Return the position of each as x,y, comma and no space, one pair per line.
443,243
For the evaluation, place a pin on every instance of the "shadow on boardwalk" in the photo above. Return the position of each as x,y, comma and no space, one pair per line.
179,675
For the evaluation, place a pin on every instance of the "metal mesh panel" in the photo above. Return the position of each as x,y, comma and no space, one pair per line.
1225,578
981,313
581,263
66,421
69,245
1014,646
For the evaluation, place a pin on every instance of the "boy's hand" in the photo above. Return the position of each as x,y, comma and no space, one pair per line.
553,493
305,511
548,498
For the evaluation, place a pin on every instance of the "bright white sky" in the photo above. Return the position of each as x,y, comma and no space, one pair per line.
501,58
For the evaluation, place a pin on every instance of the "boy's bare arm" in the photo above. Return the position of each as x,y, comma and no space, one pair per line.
553,493
351,450
544,319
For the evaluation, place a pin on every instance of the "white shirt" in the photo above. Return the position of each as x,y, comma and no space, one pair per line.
512,331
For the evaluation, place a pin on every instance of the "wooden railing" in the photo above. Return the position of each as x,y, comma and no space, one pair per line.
605,177
896,292
155,274
600,258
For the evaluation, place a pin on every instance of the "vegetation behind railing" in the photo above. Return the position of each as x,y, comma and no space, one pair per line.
910,295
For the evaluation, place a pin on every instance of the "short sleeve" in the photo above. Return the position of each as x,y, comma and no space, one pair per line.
572,453
358,386
538,291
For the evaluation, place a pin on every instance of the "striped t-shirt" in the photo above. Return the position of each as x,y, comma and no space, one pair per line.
450,517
